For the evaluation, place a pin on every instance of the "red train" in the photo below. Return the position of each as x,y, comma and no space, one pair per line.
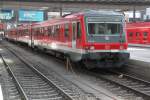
94,38
2,26
138,32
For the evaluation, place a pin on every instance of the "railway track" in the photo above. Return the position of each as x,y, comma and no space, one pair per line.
30,85
10,91
138,85
34,85
125,86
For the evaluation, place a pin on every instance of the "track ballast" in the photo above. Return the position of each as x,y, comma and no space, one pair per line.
34,85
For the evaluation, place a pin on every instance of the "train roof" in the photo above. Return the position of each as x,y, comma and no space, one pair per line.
90,13
73,16
97,13
133,25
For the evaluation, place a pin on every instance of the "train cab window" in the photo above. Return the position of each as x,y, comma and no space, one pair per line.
91,28
66,30
113,28
103,28
78,29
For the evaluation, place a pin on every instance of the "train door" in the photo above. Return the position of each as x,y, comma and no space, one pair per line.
79,36
66,33
74,33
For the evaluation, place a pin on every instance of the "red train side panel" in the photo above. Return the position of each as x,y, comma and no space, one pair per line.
138,32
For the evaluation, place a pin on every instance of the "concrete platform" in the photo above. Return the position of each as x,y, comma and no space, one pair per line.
139,63
1,94
141,54
139,45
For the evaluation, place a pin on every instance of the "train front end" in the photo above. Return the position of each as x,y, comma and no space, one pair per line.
105,40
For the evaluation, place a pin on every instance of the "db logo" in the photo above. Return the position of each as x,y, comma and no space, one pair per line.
106,37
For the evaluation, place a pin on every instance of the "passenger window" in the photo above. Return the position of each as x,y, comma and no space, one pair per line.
66,30
145,34
78,30
49,30
42,31
38,31
57,29
46,31
53,30
137,34
131,34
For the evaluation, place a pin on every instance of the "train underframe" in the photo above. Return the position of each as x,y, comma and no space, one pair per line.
105,59
96,59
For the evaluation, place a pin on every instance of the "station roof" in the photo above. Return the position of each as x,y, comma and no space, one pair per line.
91,1
75,4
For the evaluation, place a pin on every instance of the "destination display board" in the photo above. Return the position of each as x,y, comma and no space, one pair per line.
29,15
6,14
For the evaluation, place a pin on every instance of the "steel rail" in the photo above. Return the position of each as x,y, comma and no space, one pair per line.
61,91
19,87
131,77
106,78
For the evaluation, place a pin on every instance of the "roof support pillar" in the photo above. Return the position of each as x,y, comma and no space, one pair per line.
61,11
134,15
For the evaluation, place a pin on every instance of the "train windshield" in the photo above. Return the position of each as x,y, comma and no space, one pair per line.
105,29
103,26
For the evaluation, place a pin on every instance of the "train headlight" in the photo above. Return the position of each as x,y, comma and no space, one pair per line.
53,45
26,36
121,47
92,47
